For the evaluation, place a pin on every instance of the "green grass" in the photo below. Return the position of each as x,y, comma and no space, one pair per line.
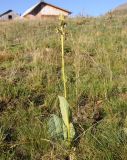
30,82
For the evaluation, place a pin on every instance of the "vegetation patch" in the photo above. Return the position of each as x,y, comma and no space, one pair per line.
91,122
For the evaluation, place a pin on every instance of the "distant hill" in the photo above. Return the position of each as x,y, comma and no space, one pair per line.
120,10
122,7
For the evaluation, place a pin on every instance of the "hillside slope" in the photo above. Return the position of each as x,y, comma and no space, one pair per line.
122,7
30,82
120,10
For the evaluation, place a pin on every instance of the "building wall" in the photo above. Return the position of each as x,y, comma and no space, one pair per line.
45,11
49,10
9,16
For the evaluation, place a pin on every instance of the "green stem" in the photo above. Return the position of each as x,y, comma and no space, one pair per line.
63,63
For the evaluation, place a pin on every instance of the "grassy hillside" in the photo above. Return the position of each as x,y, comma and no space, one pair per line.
30,82
122,7
120,10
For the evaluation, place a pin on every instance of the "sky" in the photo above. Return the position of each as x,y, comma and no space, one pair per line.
78,7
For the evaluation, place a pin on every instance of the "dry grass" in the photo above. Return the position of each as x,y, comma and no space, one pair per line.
30,81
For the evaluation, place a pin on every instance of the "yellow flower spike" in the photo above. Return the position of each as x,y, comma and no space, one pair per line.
61,17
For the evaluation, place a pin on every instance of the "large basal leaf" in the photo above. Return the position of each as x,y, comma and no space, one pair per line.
65,132
55,125
125,130
72,131
65,110
125,126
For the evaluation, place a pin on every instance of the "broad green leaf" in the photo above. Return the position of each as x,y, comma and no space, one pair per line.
125,130
125,122
72,131
55,125
65,135
65,110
